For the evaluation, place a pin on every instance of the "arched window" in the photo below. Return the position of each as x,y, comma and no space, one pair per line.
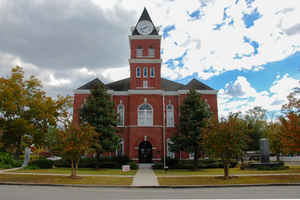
138,72
145,72
152,72
145,115
121,111
170,115
120,150
139,51
151,51
170,154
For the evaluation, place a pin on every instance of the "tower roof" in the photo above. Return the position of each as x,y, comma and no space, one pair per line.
145,16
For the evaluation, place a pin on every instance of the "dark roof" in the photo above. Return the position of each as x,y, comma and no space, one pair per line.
167,85
194,83
90,84
145,16
121,85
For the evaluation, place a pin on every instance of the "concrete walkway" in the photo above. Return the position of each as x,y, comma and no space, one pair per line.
8,170
145,176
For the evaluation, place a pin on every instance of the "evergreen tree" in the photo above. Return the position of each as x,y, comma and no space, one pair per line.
99,112
194,115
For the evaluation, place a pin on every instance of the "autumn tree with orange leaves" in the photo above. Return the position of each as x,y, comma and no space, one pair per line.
74,142
291,122
226,139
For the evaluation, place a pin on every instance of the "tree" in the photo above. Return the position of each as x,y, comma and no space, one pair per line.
291,122
293,105
291,132
74,142
99,112
256,119
25,109
194,116
274,134
226,139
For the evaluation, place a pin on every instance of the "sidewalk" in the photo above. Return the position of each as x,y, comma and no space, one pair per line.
145,176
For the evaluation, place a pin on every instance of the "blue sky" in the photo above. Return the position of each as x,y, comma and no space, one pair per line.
249,50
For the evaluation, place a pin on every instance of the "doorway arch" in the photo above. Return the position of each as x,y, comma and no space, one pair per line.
145,152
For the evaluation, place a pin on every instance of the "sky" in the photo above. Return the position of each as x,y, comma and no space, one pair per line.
248,50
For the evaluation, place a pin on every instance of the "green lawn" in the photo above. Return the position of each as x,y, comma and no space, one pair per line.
219,171
81,171
235,180
50,179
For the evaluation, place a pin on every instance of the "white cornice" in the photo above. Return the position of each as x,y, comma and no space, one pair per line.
145,60
143,37
148,92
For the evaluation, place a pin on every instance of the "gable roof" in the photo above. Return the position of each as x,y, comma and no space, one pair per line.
165,84
145,16
90,84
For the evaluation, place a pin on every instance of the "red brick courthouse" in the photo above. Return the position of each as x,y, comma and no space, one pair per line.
148,105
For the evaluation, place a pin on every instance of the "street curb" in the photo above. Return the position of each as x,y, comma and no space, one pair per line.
162,186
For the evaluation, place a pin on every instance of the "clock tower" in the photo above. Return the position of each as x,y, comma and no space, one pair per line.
145,61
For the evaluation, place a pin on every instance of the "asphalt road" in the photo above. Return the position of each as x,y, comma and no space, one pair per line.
74,193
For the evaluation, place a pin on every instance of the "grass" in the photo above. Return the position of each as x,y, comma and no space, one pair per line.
81,171
50,179
234,180
219,171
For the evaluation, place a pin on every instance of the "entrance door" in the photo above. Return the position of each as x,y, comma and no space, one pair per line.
145,152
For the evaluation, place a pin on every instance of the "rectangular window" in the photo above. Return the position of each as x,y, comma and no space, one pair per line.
151,52
145,72
191,155
138,72
139,52
145,84
152,72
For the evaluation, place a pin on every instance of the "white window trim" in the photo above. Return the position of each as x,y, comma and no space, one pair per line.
191,155
123,115
169,123
152,69
145,69
145,83
139,52
136,72
148,123
152,50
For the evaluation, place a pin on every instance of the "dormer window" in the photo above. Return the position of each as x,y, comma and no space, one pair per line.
145,73
151,51
139,51
138,72
152,72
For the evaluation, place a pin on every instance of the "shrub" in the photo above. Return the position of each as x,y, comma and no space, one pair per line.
87,163
43,163
62,163
158,165
133,165
31,167
7,161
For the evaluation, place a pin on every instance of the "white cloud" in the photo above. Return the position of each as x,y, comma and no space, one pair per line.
240,96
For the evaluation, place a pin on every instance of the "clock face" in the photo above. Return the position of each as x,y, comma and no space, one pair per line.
144,27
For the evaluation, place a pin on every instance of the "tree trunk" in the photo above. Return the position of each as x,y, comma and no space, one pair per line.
196,160
278,157
73,174
226,169
18,148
